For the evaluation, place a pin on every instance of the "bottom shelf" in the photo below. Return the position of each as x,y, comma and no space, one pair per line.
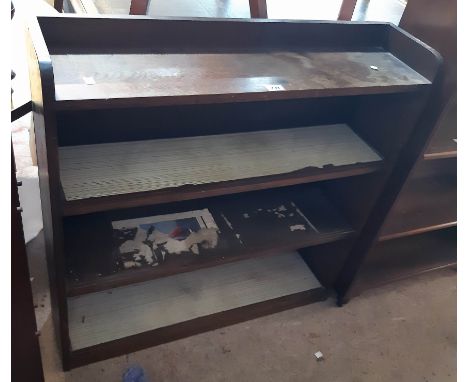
204,299
401,258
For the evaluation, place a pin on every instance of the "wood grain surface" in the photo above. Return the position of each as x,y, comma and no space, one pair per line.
190,78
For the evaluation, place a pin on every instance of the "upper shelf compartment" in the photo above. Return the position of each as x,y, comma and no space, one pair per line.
123,62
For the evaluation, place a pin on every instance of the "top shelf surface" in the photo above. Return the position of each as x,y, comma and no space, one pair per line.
85,81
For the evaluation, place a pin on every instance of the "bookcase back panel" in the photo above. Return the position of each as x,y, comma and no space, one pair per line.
100,126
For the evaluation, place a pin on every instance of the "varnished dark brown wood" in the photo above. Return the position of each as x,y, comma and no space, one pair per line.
436,26
130,79
26,362
326,260
188,328
169,35
105,126
391,137
94,265
258,9
288,52
395,260
400,172
347,10
42,94
138,7
408,49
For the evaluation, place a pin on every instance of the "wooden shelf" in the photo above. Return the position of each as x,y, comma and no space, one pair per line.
158,171
94,264
87,81
410,256
189,298
443,145
442,150
425,204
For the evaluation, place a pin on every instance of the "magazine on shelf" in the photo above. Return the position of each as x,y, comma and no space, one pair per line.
147,241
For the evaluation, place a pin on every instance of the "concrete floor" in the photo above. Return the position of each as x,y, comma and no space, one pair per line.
402,332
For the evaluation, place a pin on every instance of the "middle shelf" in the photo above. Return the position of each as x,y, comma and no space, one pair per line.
100,177
106,250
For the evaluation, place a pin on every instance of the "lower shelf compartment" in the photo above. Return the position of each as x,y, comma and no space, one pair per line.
249,225
168,308
410,256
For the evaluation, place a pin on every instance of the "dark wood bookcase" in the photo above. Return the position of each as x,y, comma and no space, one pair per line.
419,233
139,117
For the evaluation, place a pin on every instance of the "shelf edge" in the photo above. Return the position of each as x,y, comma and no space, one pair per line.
440,155
112,103
416,231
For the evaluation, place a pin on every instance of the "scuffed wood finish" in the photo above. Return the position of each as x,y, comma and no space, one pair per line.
171,78
94,265
124,79
129,167
436,26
